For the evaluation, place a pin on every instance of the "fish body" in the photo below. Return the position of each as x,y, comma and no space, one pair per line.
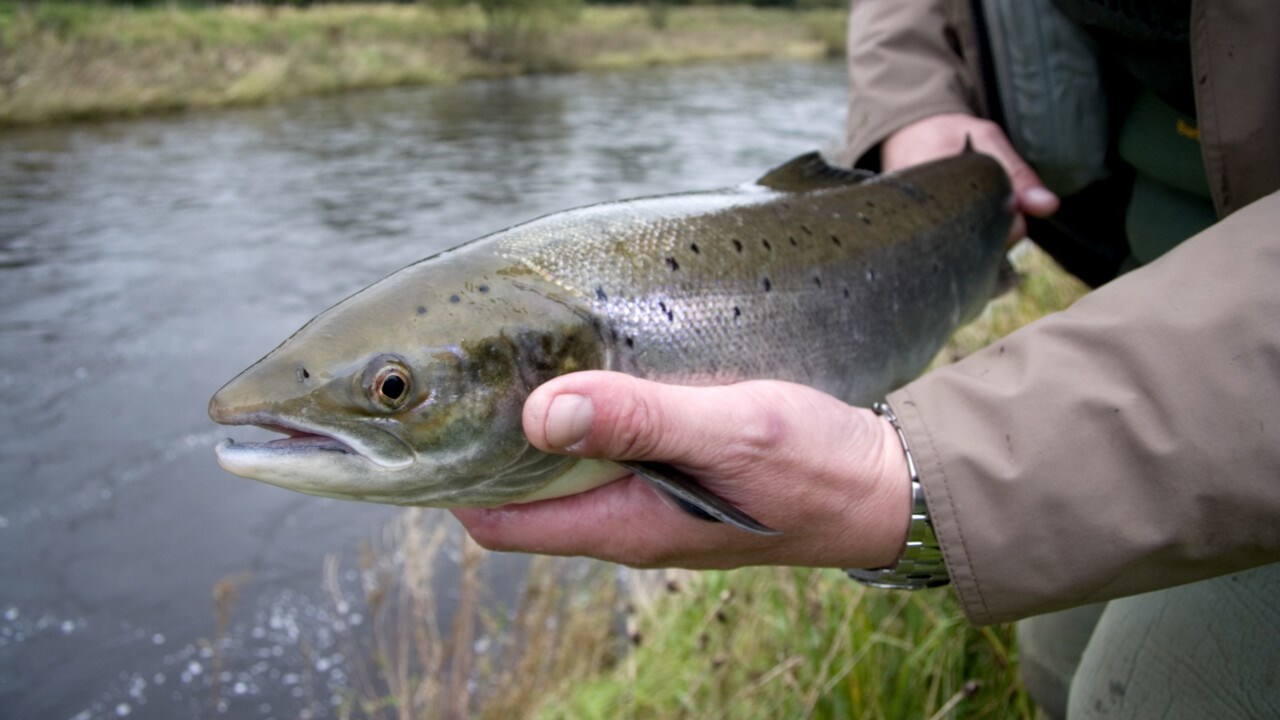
410,391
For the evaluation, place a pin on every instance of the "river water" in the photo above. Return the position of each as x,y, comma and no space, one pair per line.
143,263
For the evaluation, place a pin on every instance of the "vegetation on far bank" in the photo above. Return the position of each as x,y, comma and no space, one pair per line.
78,60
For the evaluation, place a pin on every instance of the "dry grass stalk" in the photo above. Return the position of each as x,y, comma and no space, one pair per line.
487,663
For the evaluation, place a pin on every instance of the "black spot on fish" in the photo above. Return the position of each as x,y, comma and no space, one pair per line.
694,248
767,246
302,374
671,263
806,229
817,281
835,241
793,242
937,268
422,310
631,342
484,289
600,294
737,313
767,285
865,220
455,299
870,203
671,316
737,246
871,275
846,293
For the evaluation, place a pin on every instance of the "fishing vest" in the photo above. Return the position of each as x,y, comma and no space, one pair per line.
1097,97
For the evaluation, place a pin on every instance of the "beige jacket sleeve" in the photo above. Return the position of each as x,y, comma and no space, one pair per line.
905,64
1129,443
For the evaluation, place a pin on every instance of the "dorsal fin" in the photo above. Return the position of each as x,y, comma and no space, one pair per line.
811,172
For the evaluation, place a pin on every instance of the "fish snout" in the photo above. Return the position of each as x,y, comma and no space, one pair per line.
234,405
220,411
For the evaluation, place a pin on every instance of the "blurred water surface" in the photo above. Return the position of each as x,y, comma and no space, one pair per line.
144,263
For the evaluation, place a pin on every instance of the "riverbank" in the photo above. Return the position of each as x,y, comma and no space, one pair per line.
70,61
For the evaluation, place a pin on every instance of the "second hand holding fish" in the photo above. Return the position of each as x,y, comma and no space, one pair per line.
817,467
945,134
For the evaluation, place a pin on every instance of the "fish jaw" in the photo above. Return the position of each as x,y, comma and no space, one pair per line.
314,465
334,462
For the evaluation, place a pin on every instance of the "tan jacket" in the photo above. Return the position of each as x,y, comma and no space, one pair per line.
1131,442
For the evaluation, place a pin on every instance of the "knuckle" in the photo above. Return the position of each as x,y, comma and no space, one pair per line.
761,428
757,437
1020,172
636,431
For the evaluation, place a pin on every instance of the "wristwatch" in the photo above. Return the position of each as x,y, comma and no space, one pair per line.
920,565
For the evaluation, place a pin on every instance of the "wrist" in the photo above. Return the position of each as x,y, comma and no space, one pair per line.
919,563
894,478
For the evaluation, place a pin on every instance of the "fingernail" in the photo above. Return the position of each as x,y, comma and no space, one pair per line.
1039,197
568,420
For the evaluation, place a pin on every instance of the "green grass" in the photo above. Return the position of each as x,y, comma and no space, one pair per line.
790,643
61,61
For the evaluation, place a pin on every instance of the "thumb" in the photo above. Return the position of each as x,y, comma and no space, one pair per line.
616,416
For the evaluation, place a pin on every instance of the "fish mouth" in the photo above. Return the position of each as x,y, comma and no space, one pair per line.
295,440
302,442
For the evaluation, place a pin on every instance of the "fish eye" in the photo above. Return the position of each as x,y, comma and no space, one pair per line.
392,387
388,382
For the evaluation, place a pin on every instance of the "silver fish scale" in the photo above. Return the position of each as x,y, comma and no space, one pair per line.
849,289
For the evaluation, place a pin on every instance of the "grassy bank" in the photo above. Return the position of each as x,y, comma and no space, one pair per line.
584,643
72,61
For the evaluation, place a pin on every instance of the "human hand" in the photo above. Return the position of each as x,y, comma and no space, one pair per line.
940,136
830,477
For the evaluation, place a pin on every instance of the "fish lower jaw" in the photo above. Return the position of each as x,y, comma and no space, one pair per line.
376,447
253,459
312,464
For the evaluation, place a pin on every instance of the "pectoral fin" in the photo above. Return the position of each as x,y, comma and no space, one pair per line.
695,499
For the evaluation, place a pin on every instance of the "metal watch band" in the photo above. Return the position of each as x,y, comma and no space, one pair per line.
920,565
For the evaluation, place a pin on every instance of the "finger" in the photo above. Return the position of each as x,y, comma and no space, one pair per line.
1038,201
1032,197
625,522
616,416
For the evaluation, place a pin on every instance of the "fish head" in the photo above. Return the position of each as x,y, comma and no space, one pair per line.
409,392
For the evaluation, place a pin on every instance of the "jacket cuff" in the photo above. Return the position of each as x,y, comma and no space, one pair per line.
942,507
